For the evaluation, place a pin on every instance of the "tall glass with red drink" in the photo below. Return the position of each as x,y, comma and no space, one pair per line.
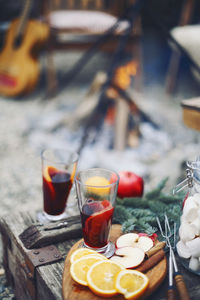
58,171
96,192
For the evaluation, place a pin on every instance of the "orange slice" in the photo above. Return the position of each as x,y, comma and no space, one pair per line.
80,267
98,185
101,278
131,283
81,252
47,172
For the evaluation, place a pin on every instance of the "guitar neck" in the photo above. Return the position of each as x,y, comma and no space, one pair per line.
23,18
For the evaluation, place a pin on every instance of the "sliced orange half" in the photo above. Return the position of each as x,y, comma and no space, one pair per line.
131,283
101,278
81,252
80,267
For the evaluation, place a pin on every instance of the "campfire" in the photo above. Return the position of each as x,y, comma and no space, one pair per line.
123,74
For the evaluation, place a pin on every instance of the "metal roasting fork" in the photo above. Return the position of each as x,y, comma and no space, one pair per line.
179,280
171,294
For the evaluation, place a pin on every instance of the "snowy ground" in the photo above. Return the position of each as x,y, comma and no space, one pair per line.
26,128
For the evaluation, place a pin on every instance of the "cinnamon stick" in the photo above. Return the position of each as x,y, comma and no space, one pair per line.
151,262
155,249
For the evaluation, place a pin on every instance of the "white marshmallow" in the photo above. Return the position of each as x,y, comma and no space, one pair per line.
191,214
197,199
187,232
190,210
183,250
194,263
183,219
194,247
190,202
196,223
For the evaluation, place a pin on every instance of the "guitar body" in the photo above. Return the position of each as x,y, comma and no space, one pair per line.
19,67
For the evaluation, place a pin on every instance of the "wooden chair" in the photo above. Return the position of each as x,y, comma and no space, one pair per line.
77,24
185,18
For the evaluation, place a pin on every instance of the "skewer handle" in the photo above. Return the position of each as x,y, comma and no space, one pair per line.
171,295
181,287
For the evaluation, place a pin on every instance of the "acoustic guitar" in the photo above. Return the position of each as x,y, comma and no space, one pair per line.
19,66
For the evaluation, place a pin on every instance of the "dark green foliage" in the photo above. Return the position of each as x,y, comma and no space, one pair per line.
170,198
156,192
139,214
135,202
121,214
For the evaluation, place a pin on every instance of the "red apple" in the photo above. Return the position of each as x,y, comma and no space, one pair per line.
130,185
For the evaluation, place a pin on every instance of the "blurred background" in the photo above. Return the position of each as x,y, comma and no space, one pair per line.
110,79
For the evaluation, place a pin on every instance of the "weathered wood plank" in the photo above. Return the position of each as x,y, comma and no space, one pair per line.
47,281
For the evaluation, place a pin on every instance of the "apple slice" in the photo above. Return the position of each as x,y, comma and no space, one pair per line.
134,240
127,240
129,257
145,243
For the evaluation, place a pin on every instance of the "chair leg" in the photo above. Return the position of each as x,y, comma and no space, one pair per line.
138,80
172,73
51,75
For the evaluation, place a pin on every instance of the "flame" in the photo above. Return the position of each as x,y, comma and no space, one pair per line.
122,76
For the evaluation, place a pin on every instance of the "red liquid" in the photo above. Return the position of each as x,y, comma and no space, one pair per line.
56,192
96,217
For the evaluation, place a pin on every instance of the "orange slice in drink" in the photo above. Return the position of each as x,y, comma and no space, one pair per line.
101,277
98,185
131,283
48,172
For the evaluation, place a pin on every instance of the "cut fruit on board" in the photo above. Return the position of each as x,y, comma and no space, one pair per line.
101,278
131,283
145,243
80,267
134,240
81,252
74,291
128,257
127,240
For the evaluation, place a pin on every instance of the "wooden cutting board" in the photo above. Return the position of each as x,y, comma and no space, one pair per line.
73,291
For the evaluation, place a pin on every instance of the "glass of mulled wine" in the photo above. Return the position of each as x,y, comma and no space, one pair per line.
58,171
96,192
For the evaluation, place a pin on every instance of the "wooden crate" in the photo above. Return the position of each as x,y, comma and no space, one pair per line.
29,273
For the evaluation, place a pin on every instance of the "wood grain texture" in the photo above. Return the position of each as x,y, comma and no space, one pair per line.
47,283
73,291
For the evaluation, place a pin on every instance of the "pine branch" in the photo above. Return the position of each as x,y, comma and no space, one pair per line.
139,214
156,192
121,215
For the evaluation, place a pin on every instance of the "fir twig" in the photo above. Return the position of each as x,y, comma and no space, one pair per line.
156,192
139,214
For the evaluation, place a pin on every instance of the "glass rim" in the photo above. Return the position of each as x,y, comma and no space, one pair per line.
97,186
74,154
